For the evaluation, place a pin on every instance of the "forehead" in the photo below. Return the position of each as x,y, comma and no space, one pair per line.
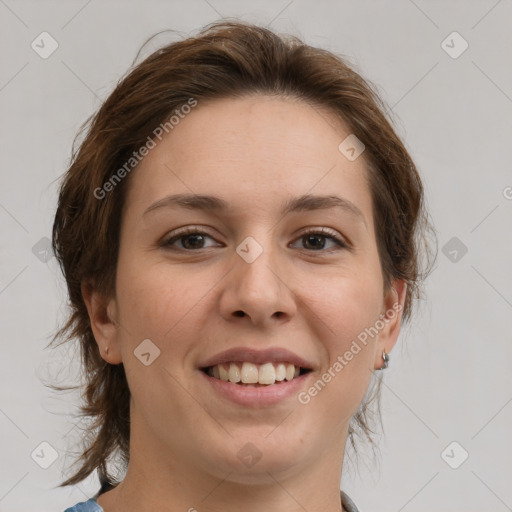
255,150
265,129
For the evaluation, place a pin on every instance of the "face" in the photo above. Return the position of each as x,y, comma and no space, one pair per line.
296,286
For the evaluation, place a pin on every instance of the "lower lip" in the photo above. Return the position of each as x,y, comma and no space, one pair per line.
257,396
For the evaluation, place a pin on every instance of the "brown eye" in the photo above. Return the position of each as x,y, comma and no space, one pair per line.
190,238
315,240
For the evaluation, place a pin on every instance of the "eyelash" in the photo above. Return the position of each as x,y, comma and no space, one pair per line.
323,232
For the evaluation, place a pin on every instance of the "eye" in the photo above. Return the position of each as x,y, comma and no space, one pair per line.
314,238
191,238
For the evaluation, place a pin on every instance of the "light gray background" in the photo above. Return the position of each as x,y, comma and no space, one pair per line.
450,374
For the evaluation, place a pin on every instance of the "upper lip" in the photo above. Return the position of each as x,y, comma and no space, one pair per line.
250,355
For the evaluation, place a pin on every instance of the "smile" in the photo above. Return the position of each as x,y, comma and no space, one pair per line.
254,394
265,374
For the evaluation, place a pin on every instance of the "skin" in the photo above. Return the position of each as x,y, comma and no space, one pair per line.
256,153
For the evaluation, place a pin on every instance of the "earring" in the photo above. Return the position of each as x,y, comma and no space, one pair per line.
106,350
386,360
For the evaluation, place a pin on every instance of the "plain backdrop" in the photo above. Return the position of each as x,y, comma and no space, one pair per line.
448,390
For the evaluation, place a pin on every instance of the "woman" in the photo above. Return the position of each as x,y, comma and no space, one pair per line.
240,234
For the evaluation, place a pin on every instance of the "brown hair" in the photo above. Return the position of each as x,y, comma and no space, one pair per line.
226,59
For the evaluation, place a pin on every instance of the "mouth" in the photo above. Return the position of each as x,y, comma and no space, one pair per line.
249,374
255,385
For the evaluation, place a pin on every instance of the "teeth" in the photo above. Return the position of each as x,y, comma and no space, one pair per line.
280,372
224,374
267,374
249,373
234,373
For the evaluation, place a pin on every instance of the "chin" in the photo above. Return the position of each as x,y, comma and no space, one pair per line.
250,459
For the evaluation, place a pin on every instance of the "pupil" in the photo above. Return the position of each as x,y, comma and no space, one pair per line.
313,237
188,237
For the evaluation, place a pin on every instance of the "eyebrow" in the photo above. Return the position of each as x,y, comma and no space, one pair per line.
302,203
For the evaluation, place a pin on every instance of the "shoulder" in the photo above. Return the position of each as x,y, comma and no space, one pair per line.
347,503
85,506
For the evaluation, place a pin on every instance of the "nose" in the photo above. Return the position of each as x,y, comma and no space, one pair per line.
258,289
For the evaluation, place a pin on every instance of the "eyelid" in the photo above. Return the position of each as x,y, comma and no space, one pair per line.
324,231
341,241
181,232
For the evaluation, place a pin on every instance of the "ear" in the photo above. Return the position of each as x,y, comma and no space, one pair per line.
102,315
391,316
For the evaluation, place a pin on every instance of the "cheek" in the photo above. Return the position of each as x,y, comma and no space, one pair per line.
158,301
348,309
350,303
351,306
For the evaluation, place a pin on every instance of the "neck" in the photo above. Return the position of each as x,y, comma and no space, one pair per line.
155,477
